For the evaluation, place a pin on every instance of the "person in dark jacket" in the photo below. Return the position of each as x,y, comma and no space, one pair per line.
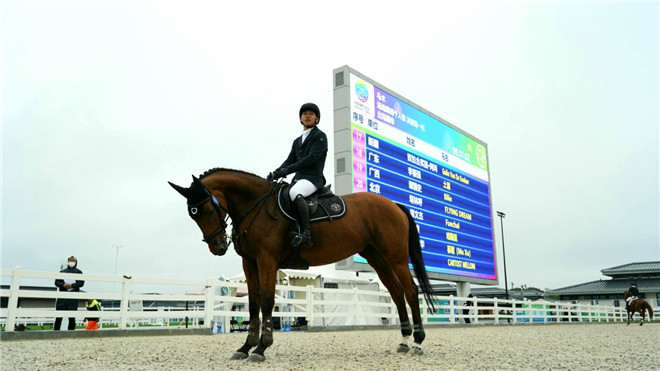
466,311
633,293
306,159
68,285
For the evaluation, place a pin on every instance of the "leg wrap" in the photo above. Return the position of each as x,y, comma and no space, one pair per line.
253,332
267,332
418,333
405,329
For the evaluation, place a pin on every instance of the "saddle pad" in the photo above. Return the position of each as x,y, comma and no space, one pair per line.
325,208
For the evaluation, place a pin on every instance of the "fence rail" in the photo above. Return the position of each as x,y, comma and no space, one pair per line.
212,307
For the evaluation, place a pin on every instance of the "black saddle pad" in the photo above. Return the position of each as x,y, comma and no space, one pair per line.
323,205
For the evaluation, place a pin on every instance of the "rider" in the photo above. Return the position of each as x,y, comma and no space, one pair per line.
633,293
306,159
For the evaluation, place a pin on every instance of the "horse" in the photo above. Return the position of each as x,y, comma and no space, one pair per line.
638,305
381,231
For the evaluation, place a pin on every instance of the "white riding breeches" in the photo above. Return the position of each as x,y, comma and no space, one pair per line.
302,187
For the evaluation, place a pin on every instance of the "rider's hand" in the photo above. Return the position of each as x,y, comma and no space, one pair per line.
270,177
279,173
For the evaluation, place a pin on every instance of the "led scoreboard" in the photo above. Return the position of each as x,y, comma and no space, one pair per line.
387,145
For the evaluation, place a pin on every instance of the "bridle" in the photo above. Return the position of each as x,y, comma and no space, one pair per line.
225,241
194,209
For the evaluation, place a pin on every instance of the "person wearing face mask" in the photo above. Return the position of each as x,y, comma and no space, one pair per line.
68,285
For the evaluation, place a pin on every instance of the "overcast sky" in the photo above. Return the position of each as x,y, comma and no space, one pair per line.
104,102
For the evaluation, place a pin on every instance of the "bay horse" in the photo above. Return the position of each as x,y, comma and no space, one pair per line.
638,305
384,233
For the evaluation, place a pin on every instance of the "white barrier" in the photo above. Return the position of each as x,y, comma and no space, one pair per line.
449,309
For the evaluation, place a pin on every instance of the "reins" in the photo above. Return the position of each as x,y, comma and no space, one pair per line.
237,238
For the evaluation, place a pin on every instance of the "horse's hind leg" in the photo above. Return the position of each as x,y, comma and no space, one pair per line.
252,340
388,278
643,316
411,292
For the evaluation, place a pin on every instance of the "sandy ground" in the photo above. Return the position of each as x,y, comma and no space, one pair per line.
521,347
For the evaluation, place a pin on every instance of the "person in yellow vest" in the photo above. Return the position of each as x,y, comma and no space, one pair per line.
92,323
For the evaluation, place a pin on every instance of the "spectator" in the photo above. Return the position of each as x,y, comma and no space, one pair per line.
466,311
71,286
92,323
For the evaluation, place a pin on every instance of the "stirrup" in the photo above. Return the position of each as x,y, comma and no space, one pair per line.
297,240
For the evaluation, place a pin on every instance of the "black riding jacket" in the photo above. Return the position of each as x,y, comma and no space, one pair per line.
633,291
307,159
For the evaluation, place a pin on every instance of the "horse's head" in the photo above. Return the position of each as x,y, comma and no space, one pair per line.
210,216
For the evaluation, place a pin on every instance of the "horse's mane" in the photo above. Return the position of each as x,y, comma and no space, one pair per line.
218,169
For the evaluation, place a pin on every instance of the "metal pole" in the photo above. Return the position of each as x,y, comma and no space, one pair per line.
506,282
116,260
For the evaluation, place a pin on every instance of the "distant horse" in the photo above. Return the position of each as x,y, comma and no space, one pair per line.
384,233
638,305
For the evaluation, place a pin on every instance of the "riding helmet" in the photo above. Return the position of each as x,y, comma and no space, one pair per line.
310,107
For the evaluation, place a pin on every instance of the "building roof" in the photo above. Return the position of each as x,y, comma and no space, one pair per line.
649,268
617,286
449,289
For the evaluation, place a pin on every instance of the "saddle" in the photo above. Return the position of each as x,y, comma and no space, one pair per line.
323,204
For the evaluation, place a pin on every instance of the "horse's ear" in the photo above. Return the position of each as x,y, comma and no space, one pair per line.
183,191
197,181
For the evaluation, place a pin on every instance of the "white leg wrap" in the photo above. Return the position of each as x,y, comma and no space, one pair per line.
405,339
415,345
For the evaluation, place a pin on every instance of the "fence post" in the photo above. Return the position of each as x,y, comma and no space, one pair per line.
123,307
475,308
496,311
530,311
355,306
310,306
209,303
452,317
12,305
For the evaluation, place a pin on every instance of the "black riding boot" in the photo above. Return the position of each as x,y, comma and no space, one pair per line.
305,238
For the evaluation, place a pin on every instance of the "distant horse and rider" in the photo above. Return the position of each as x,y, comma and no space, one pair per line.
636,305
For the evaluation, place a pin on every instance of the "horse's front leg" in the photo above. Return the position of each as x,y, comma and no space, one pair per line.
252,278
267,279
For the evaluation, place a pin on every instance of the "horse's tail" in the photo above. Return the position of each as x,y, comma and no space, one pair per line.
415,253
648,309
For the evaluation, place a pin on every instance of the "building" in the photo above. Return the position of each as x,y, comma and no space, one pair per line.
491,292
610,291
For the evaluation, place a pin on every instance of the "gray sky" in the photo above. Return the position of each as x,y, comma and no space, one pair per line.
104,102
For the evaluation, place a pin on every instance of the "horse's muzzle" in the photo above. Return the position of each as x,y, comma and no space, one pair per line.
218,247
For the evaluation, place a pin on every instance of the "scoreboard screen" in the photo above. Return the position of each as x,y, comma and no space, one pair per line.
387,145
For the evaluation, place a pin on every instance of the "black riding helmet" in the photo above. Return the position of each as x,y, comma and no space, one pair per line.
310,107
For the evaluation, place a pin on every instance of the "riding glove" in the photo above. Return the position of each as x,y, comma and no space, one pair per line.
279,173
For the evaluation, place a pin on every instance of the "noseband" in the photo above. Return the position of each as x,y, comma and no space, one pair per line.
194,209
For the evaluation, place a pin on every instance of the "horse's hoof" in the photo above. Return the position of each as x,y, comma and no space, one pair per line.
238,355
256,358
417,351
403,348
641,323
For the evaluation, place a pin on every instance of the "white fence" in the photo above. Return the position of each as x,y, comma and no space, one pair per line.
218,308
